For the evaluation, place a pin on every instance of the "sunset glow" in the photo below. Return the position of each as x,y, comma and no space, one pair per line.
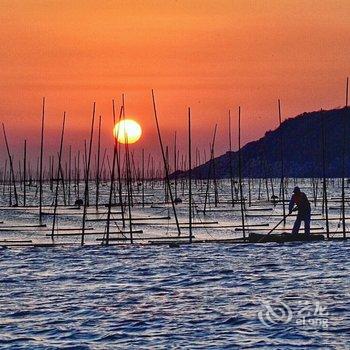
210,55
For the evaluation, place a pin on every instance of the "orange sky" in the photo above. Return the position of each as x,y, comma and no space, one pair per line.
210,55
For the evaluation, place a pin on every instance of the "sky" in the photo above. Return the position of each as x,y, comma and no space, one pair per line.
209,55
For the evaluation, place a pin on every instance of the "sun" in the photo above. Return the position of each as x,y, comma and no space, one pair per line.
127,131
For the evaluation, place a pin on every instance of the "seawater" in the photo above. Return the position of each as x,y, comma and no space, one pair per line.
203,296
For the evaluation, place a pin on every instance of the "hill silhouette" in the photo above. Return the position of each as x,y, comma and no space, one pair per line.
302,149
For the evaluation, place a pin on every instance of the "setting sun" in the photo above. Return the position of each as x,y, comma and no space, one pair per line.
127,131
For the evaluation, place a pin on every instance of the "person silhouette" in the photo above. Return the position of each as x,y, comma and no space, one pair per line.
304,210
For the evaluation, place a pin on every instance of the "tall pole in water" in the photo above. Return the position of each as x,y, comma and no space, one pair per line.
165,164
41,162
115,156
189,174
120,188
58,177
175,165
240,172
98,161
143,177
282,163
166,194
230,157
12,173
216,194
345,123
78,175
24,173
69,173
325,199
343,179
209,170
87,174
128,173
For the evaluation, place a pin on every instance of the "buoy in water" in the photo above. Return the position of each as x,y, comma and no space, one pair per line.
177,200
79,202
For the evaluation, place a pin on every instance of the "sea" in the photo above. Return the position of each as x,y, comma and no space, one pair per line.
190,296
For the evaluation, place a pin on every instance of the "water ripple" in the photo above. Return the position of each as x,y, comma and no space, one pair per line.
206,296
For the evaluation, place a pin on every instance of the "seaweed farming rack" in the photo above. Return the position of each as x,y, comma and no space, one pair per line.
89,198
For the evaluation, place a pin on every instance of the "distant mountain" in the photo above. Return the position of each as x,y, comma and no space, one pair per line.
302,149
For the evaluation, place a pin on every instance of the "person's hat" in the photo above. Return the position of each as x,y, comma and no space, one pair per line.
296,189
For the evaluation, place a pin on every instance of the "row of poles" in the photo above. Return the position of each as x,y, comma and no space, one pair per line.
116,165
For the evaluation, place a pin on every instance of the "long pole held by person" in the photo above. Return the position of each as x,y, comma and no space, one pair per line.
263,239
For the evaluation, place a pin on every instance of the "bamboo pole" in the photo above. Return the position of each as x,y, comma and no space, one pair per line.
69,173
230,158
165,164
166,194
343,161
120,187
128,173
58,177
78,175
209,170
115,156
213,161
98,161
87,173
189,176
11,166
175,163
240,172
143,177
325,199
41,162
282,163
24,173
343,179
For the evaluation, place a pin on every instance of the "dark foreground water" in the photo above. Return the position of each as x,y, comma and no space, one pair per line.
203,296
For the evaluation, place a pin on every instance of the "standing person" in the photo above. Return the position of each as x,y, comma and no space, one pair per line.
304,210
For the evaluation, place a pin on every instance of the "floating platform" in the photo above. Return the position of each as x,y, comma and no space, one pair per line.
284,237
